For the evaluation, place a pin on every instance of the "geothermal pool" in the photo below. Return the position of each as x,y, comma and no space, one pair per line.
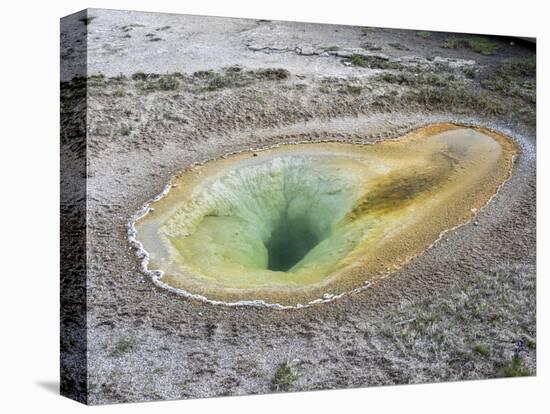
300,223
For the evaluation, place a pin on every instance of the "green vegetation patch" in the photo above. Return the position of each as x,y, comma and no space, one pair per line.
139,76
125,130
414,79
220,82
477,44
454,96
492,309
208,80
235,76
515,77
271,74
168,83
514,368
469,72
284,378
153,82
122,346
520,66
351,90
372,62
204,74
482,350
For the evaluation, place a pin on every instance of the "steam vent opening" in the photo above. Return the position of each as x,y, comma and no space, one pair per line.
295,223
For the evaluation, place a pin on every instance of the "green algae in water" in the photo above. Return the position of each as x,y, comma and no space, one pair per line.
299,221
268,222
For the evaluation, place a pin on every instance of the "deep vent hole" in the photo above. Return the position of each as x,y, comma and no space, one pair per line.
290,242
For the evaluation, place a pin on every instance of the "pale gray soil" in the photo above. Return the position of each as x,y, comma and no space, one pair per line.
127,42
456,312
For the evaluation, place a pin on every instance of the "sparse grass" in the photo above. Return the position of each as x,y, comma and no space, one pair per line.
168,83
249,368
398,46
271,74
531,344
411,79
351,90
96,77
204,74
455,96
235,77
139,76
454,43
358,60
436,92
529,84
109,390
125,130
231,77
234,69
373,62
169,116
494,309
370,46
483,46
423,34
514,368
122,346
218,82
284,378
154,82
477,44
510,79
482,350
469,72
520,66
119,78
499,82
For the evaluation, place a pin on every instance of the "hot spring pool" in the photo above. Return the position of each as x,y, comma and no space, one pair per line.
305,222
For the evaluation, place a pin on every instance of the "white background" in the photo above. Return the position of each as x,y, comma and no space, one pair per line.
29,191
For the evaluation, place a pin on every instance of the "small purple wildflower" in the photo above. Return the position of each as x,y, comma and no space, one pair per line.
520,347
